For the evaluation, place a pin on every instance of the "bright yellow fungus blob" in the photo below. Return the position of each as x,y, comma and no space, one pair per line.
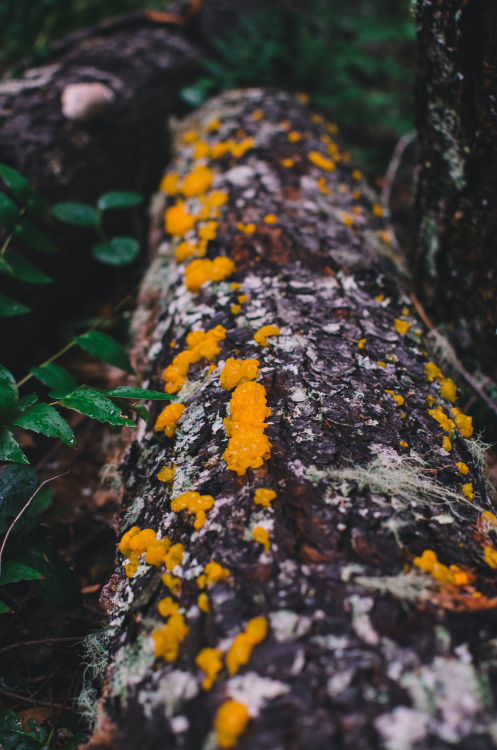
216,198
399,400
184,251
462,468
293,136
166,421
174,556
261,535
248,447
467,491
201,345
432,372
190,136
401,326
208,231
463,422
135,543
429,563
448,390
323,188
169,183
235,309
202,270
178,220
166,474
261,335
231,721
167,607
194,503
381,364
360,343
444,421
173,583
168,638
203,602
210,661
446,444
246,228
490,556
270,219
202,150
430,401
240,651
404,444
197,182
377,210
264,496
257,114
321,161
287,163
214,124
238,371
215,572
357,174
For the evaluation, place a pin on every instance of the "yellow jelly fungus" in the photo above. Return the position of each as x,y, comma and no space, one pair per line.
167,607
184,251
168,638
235,309
429,564
357,174
261,335
248,447
399,400
203,602
463,422
467,491
270,219
288,163
210,661
323,188
171,582
189,136
432,372
444,421
240,651
242,298
261,535
462,468
215,572
430,401
332,128
214,124
380,298
236,286
321,161
401,326
264,496
357,210
169,183
216,198
448,390
293,136
194,503
346,219
257,114
377,210
238,371
356,194
166,421
404,444
231,721
178,220
246,228
133,544
208,231
156,552
174,556
238,149
381,364
490,556
360,343
203,270
446,444
201,345
166,474
202,150
197,182
201,581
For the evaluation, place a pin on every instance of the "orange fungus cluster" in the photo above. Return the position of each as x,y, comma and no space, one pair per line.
248,446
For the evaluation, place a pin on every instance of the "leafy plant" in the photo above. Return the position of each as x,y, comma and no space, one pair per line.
34,737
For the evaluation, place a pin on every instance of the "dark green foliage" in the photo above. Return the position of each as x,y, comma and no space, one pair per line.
106,348
35,737
120,251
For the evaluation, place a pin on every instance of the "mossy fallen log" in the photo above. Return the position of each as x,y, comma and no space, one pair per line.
307,555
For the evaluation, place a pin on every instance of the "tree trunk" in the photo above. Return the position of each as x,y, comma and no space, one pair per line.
457,131
365,647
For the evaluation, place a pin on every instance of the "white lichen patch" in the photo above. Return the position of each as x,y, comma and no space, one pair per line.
287,625
131,665
361,621
254,691
169,693
402,728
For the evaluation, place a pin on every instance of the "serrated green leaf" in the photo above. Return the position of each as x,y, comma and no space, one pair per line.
79,214
120,251
16,182
93,404
21,268
9,449
106,348
127,391
17,484
46,420
3,608
34,238
9,212
9,307
119,199
9,395
54,376
13,571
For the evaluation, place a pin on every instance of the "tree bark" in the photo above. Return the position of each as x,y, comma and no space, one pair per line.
364,649
457,130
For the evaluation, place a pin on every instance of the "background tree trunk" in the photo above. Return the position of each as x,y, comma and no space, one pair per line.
457,183
364,650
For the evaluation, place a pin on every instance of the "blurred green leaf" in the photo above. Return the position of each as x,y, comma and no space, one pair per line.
9,448
126,391
17,184
21,268
119,251
106,348
78,214
9,307
4,608
13,571
34,238
119,199
54,376
9,394
9,212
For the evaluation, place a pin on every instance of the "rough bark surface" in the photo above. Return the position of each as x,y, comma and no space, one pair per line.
457,132
364,650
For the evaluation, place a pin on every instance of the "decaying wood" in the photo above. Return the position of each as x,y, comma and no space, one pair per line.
457,183
364,650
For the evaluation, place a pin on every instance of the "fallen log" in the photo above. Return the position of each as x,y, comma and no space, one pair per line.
307,555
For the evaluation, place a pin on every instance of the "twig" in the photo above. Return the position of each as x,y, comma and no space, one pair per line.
36,643
25,699
22,511
398,152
